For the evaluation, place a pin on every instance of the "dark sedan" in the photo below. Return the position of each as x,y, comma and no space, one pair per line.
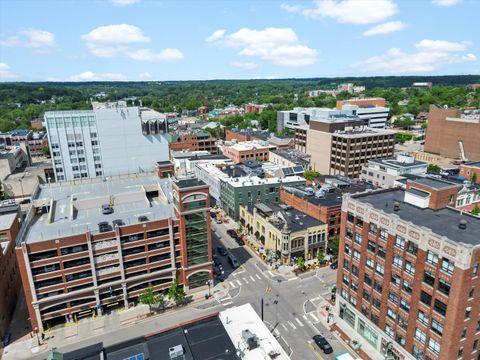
323,344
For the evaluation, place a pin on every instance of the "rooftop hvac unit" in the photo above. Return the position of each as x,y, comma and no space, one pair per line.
153,127
175,352
145,128
250,339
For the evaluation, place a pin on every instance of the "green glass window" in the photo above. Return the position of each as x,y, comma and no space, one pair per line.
197,280
196,238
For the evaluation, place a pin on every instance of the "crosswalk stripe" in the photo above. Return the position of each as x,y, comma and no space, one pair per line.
276,332
232,285
239,283
305,317
253,279
314,317
291,324
228,297
258,277
298,322
245,280
284,327
227,303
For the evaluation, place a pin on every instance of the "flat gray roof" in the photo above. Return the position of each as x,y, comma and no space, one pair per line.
434,183
443,222
77,205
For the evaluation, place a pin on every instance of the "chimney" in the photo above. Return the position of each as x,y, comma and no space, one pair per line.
462,224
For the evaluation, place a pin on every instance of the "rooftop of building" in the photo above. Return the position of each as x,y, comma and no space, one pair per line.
21,132
189,183
281,214
255,180
259,134
8,214
398,162
77,205
443,222
201,154
293,155
164,163
436,184
473,164
330,193
247,145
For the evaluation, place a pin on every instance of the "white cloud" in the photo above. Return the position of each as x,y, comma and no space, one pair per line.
149,55
347,11
145,75
277,45
124,2
114,40
446,2
6,73
430,56
385,28
217,35
245,65
91,76
40,41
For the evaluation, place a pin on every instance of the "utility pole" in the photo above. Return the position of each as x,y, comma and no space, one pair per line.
262,309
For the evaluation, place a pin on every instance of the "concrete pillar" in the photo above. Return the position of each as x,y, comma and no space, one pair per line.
39,317
97,302
125,297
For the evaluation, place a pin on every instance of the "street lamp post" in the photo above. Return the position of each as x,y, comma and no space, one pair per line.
208,283
21,187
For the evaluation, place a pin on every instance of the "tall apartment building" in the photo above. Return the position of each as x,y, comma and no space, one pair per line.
89,246
372,111
10,218
342,145
112,139
408,281
453,134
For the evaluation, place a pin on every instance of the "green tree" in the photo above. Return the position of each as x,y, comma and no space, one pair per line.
148,297
176,292
301,263
476,210
334,245
321,257
473,179
432,168
46,151
310,175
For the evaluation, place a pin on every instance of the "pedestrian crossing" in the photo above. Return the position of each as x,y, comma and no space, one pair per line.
298,322
237,282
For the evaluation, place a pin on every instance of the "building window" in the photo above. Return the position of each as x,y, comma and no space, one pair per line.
381,252
420,335
376,303
425,298
428,278
409,268
383,234
356,255
463,335
395,279
398,261
380,269
422,318
460,353
404,305
434,346
475,270
468,313
412,248
369,263
444,287
437,327
400,242
391,314
358,238
366,295
198,279
378,286
407,287
447,266
432,258
372,228
367,332
368,280
389,331
417,353
393,298
440,307
359,222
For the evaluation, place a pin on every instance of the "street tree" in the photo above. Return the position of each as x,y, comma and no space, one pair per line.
176,292
301,263
321,257
148,297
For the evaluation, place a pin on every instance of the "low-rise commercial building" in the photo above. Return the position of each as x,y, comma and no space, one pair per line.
249,190
92,245
372,111
190,140
13,159
290,157
384,172
184,161
10,218
246,150
284,231
408,276
471,171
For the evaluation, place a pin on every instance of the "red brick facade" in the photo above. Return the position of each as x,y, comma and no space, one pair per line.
468,171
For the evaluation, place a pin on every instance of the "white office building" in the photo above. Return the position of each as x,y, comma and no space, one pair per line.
112,139
372,116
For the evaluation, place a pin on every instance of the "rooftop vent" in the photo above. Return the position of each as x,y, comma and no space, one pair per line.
396,206
462,224
175,352
250,339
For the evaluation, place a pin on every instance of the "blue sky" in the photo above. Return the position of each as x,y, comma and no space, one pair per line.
186,40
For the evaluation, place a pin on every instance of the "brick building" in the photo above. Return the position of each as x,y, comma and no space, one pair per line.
408,284
193,141
91,246
246,135
246,150
471,171
453,134
323,203
9,285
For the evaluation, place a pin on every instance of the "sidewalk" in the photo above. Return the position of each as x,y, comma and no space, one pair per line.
329,320
103,326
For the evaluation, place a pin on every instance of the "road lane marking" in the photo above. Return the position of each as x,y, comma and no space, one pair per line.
245,280
276,332
284,327
239,283
291,324
299,322
253,279
232,285
317,354
227,303
314,317
258,277
228,297
270,273
305,317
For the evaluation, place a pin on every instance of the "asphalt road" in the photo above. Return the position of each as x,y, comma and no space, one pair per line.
289,305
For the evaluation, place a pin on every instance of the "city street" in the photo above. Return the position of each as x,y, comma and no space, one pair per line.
289,304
